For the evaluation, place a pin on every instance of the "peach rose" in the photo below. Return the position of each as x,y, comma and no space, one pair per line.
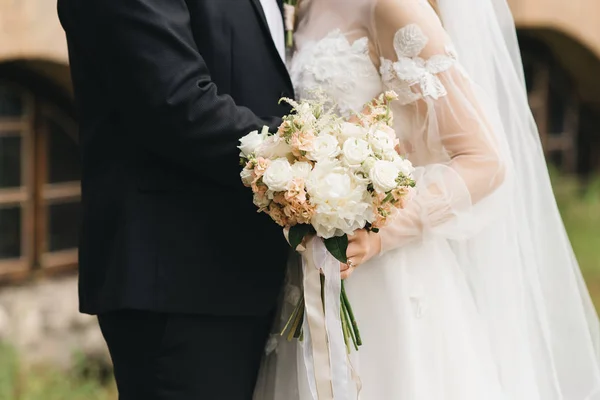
260,166
302,142
284,129
402,196
296,192
299,213
276,213
279,198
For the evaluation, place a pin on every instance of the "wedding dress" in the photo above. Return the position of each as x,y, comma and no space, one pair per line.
476,295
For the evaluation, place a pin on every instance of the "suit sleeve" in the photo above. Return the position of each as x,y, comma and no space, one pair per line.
156,75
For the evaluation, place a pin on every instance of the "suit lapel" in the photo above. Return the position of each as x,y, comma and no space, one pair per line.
265,27
261,14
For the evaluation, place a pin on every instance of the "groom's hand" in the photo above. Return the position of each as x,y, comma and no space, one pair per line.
362,246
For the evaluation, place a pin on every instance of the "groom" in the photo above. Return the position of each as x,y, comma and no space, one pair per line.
181,270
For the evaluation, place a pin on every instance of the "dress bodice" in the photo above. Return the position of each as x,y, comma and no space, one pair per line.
340,70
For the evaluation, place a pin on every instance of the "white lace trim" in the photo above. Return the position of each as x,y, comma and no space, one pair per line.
411,70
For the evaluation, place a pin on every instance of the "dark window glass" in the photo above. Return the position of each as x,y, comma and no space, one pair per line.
63,155
10,161
10,232
63,226
11,102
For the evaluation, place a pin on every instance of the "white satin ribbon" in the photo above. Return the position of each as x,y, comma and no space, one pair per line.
289,12
325,357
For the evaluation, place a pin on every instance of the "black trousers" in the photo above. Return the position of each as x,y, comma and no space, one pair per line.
184,357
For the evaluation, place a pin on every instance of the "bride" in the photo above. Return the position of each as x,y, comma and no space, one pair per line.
472,292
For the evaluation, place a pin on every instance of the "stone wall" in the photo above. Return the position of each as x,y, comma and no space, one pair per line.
575,18
29,29
43,323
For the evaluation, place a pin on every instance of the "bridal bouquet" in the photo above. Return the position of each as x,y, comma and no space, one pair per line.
320,174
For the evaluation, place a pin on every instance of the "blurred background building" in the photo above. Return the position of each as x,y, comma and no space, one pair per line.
40,168
560,44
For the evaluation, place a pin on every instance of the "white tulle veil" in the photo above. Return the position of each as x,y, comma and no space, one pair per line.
522,270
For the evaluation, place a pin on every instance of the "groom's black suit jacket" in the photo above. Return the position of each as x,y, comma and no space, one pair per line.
164,89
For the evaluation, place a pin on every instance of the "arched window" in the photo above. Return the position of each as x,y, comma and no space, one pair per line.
39,184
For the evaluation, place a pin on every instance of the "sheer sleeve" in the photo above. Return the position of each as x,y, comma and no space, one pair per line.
440,120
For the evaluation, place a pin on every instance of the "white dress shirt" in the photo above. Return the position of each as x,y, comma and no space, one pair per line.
275,21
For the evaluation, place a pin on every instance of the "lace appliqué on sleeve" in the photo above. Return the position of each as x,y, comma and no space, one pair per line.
411,71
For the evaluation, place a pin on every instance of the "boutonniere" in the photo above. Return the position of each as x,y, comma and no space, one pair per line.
289,14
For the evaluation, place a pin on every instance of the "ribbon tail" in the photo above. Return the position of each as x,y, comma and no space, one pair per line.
318,368
328,367
333,323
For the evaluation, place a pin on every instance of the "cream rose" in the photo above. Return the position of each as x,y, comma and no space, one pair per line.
252,141
350,130
247,176
274,147
383,176
324,147
278,175
342,202
405,166
301,169
355,152
381,142
368,164
261,200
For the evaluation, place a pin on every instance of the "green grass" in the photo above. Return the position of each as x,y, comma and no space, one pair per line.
580,209
83,382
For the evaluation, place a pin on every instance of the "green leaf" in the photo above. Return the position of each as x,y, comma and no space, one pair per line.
297,234
338,246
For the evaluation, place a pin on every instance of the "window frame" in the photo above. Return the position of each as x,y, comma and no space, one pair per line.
35,194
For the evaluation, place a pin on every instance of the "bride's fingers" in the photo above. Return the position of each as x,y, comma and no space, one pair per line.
344,275
355,250
357,235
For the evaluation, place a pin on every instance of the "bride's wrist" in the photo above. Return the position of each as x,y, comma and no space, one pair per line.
375,244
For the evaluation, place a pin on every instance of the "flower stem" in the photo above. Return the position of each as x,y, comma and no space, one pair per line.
296,325
293,316
300,319
345,329
346,319
351,315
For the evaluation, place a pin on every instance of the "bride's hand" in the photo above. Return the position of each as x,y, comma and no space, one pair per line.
362,246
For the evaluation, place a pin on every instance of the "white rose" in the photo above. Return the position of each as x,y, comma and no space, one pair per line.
350,130
247,176
324,147
381,142
355,152
368,164
342,202
405,166
384,175
392,156
301,169
278,175
261,201
326,224
274,147
251,142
